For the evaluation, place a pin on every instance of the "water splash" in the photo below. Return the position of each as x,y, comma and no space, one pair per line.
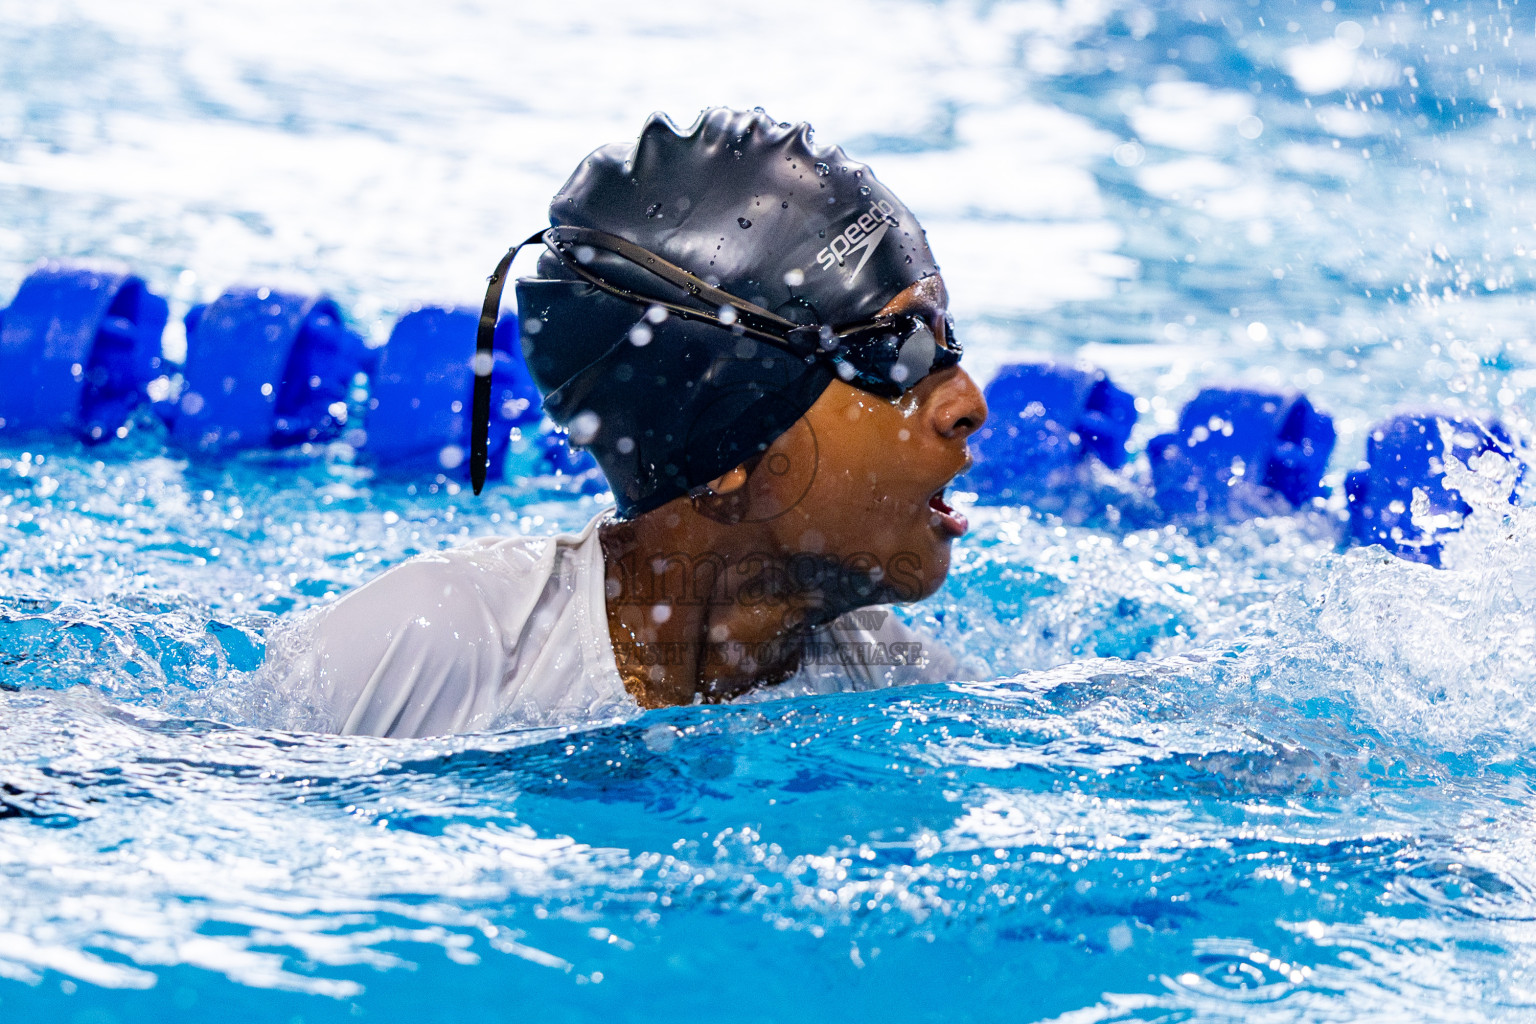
1273,780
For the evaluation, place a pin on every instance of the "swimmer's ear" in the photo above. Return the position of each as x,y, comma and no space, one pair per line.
724,499
727,482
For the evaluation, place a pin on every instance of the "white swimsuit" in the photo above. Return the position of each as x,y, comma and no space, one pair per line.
510,632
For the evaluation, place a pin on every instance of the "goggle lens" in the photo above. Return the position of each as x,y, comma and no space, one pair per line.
890,358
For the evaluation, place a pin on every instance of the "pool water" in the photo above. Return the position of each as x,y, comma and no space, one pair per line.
1236,772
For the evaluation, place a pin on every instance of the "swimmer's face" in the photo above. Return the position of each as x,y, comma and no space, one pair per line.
861,478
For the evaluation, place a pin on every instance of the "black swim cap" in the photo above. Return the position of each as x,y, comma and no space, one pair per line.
752,207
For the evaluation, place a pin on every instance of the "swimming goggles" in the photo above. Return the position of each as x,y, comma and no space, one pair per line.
885,355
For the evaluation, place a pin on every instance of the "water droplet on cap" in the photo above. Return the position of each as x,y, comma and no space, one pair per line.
584,426
743,222
822,169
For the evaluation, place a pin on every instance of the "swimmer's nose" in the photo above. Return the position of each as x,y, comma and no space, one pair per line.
957,405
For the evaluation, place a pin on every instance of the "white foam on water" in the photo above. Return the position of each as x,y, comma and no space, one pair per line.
1446,657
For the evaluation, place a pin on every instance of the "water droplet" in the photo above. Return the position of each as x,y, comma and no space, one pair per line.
822,169
584,427
864,190
654,210
743,222
785,204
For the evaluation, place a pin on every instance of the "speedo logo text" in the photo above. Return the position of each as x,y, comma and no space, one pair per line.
865,232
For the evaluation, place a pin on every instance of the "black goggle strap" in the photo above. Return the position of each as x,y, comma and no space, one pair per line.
750,319
565,243
485,361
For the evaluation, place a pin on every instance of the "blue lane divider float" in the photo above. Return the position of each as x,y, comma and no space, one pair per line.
419,413
1240,452
78,348
1404,454
266,369
419,409
1046,421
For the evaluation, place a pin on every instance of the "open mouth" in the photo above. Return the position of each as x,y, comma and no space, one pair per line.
944,518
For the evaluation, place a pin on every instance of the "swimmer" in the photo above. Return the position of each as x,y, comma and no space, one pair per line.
750,335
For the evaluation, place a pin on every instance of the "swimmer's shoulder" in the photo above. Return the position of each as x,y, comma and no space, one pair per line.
446,640
517,555
493,582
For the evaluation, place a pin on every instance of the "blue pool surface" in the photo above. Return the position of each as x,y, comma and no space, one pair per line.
1228,773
